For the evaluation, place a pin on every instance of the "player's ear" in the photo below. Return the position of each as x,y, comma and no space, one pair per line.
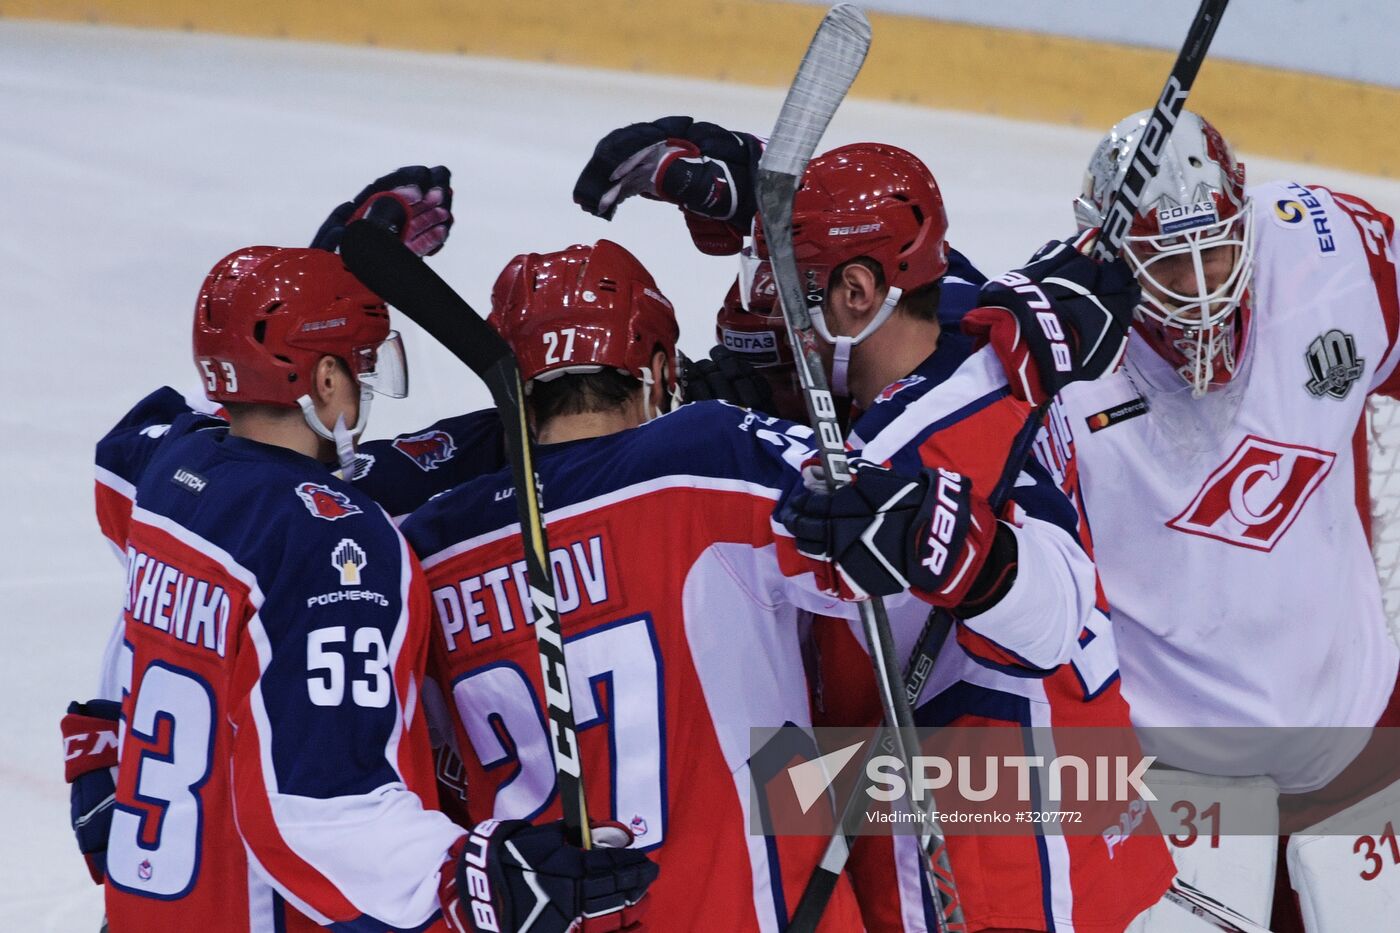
859,288
656,388
326,378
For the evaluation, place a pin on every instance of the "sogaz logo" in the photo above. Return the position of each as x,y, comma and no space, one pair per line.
1181,217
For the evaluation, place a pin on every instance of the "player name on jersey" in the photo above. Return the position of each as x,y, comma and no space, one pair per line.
483,605
168,599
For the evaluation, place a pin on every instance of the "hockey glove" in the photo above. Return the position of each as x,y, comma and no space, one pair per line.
728,377
89,765
1062,318
509,871
888,533
417,205
705,169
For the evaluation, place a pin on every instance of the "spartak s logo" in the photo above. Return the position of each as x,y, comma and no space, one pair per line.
1253,498
428,449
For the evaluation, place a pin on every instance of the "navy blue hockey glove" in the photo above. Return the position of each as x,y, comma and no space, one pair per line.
510,870
1062,318
89,761
728,377
414,201
888,533
705,169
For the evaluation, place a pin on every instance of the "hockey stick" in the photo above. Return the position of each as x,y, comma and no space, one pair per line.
391,270
1199,904
833,60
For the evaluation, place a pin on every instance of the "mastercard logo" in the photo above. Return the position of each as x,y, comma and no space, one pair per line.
1290,212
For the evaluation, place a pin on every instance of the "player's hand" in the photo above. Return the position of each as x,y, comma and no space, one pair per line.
1062,318
414,201
888,533
705,169
508,870
728,377
89,757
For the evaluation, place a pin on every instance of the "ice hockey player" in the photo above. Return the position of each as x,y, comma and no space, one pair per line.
271,750
1037,646
1229,457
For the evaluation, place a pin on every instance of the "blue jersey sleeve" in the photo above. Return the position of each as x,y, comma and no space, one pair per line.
403,472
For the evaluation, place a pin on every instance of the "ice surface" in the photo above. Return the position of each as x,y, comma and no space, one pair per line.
131,161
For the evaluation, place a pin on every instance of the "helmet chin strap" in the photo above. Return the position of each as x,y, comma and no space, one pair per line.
841,355
647,382
342,437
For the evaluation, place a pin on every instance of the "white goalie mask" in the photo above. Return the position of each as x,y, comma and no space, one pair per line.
1191,245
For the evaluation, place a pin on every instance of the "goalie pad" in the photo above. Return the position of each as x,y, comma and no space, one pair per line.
1196,811
1348,882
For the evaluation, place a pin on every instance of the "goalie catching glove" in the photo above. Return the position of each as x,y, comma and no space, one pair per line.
512,875
1062,318
705,169
414,201
888,533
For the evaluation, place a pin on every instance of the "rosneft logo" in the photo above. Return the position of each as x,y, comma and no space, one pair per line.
1289,211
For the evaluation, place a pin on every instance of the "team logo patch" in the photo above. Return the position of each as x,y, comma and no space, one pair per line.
349,558
1118,413
325,502
1181,217
638,826
428,450
1253,498
1333,364
144,871
894,388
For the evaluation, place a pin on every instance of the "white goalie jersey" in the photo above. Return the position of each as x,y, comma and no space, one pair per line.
1231,531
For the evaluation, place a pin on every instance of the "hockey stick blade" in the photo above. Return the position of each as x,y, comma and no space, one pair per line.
391,270
831,64
1199,904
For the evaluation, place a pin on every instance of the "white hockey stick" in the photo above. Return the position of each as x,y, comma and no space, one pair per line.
831,64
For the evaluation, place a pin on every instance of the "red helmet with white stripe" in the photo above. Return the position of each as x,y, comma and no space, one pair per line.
581,310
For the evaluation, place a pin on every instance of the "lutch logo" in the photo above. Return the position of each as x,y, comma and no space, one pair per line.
1254,497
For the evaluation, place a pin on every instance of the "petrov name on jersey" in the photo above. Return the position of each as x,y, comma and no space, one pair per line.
483,605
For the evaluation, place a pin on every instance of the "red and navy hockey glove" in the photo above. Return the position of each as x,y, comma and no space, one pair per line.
888,533
728,377
510,870
1062,318
414,201
89,761
705,169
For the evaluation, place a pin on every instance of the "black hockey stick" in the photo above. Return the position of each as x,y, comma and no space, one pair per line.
833,60
392,271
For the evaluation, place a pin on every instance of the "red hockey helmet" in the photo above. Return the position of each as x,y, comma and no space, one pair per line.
266,315
758,332
582,310
873,201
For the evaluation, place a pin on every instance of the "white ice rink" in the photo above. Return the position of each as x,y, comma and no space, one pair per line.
131,161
